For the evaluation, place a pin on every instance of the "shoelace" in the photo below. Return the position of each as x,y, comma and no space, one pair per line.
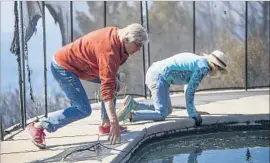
41,135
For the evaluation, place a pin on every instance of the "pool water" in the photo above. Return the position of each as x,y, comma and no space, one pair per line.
225,147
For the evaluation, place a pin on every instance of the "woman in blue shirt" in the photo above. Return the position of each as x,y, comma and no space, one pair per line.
181,69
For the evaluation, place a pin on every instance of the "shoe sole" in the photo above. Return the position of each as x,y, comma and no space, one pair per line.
125,110
38,145
127,99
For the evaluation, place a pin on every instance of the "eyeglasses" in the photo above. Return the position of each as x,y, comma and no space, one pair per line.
138,44
219,68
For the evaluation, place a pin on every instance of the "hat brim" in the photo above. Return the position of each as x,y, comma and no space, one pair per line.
216,62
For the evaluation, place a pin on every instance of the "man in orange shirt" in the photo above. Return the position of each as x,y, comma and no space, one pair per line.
93,57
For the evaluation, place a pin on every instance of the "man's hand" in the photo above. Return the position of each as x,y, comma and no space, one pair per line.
114,132
115,128
198,120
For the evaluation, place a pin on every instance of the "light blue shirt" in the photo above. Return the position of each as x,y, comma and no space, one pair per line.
183,68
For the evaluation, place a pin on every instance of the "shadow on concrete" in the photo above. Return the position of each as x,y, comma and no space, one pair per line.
96,150
81,152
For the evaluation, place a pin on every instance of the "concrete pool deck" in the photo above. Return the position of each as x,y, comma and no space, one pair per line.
224,106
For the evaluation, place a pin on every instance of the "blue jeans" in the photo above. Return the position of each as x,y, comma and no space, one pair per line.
80,106
161,106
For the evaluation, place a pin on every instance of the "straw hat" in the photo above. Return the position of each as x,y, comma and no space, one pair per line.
218,58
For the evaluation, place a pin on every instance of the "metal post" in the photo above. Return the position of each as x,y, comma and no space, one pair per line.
44,57
246,46
147,27
148,44
19,62
23,67
143,51
194,27
105,14
0,55
71,21
1,129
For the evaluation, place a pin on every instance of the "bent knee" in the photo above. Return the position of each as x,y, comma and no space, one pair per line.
163,116
167,110
85,110
88,111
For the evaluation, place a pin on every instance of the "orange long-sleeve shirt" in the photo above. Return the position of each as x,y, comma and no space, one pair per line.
97,54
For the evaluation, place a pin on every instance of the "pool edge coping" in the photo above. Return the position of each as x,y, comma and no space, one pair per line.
155,130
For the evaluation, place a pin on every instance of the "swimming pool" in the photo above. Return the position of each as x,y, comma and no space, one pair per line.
221,147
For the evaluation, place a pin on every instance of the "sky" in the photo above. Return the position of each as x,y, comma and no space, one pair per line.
9,71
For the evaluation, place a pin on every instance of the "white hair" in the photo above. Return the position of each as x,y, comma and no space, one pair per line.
133,32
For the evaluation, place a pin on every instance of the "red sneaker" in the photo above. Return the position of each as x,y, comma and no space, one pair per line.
106,130
37,135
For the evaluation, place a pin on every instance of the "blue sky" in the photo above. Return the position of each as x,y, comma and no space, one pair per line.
9,72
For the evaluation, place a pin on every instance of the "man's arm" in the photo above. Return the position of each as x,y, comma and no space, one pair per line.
193,83
109,106
108,63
